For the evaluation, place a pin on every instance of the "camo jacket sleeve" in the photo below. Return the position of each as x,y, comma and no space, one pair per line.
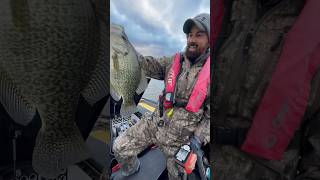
203,129
155,67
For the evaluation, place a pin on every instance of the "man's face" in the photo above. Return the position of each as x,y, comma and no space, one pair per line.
197,43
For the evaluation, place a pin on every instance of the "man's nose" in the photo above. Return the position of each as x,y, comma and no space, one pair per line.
191,39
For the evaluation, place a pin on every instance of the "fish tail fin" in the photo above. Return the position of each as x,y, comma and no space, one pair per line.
128,109
54,153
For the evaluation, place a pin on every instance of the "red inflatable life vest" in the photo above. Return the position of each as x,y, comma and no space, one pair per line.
199,91
284,103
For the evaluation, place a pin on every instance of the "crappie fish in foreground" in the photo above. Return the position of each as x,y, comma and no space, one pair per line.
127,77
50,52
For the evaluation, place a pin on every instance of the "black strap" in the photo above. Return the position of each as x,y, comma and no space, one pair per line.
180,103
161,99
236,137
229,136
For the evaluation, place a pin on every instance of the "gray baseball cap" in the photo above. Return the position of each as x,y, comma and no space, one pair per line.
202,21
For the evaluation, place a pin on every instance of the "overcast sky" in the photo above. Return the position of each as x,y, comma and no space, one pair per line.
154,27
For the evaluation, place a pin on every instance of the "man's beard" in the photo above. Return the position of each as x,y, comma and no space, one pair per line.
193,55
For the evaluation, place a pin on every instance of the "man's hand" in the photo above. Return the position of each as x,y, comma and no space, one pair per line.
195,145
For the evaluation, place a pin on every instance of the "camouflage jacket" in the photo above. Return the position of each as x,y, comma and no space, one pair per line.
245,60
197,123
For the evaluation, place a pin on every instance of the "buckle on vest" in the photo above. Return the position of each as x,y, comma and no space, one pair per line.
167,104
168,101
169,97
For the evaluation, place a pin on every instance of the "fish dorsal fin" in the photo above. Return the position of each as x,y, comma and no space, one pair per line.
143,83
98,86
19,109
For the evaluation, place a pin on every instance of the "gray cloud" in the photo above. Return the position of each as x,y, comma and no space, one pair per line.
154,27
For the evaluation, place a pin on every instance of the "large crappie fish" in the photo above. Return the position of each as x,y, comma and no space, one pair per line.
127,77
50,52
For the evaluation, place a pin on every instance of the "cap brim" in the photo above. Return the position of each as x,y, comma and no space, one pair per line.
189,23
